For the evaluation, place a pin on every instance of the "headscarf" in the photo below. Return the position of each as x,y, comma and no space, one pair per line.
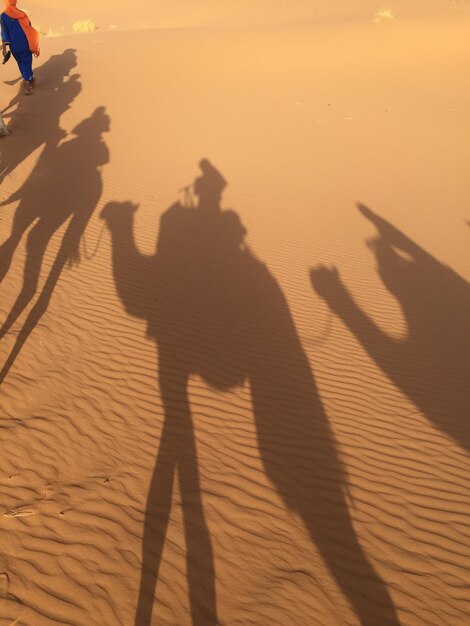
210,185
31,33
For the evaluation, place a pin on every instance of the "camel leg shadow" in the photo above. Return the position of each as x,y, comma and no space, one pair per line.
177,454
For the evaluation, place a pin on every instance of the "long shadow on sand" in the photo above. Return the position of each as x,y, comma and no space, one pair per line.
216,311
431,365
37,118
65,186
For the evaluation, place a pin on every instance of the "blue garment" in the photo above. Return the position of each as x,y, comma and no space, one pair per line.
13,34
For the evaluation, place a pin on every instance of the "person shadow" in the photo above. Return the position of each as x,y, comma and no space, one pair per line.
65,186
216,311
37,120
430,365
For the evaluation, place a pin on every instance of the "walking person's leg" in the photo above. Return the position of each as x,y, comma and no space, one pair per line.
25,64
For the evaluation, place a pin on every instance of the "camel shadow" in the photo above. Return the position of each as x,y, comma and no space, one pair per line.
65,186
430,366
216,311
36,120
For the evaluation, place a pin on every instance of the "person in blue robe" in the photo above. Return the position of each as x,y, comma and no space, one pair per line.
14,38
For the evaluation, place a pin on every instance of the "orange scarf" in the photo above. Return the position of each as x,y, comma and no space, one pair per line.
31,33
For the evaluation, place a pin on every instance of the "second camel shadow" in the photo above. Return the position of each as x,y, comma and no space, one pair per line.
64,188
216,311
36,121
431,364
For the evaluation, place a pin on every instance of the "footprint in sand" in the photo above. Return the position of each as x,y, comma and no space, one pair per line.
22,511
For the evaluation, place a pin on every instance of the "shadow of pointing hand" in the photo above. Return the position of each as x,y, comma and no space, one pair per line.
428,363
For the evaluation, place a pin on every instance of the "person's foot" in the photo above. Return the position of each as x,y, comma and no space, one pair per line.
28,87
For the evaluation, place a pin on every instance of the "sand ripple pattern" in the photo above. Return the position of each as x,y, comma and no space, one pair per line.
81,411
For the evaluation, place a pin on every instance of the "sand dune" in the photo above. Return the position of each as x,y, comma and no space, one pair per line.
121,15
244,402
187,14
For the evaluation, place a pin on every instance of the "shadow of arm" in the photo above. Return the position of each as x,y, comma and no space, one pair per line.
327,283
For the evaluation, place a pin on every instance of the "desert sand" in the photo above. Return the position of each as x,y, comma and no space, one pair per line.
243,400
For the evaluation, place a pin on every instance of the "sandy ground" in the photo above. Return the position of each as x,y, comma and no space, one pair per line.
254,413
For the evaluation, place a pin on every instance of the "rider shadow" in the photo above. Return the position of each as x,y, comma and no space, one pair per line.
216,311
40,115
430,366
65,186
